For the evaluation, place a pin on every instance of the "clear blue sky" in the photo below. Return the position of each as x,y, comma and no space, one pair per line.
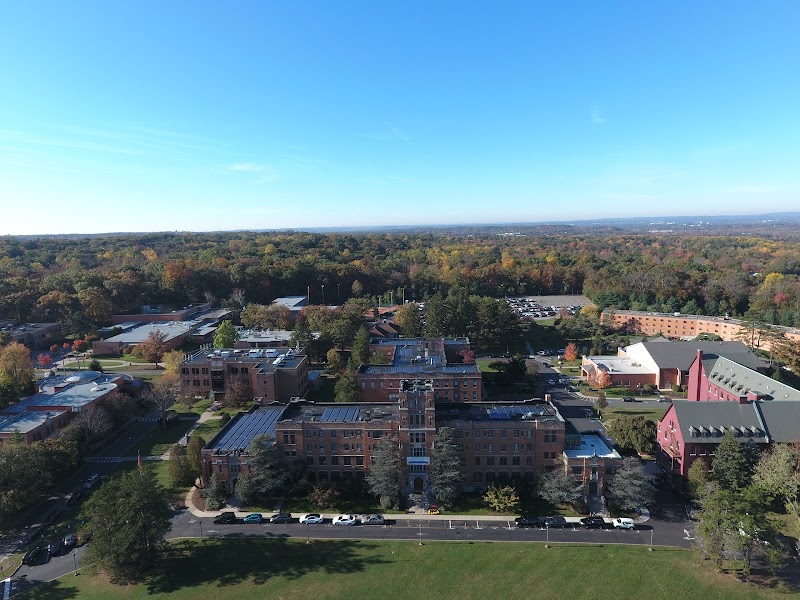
139,116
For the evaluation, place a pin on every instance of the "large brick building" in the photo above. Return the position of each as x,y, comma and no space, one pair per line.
32,335
437,360
677,325
274,375
496,442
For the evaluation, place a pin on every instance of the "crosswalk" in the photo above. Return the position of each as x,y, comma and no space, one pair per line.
102,459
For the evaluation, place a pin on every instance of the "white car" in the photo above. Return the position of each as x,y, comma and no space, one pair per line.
624,523
372,520
311,519
344,520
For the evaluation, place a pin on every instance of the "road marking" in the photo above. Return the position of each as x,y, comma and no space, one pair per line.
688,535
7,588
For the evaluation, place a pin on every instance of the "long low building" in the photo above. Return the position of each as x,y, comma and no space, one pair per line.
51,409
677,325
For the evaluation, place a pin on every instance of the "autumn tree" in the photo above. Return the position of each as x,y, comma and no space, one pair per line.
154,347
407,317
16,366
502,498
194,454
571,352
238,393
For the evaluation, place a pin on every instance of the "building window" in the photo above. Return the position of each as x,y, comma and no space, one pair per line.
490,461
335,461
503,461
477,461
577,470
323,461
348,460
359,461
310,461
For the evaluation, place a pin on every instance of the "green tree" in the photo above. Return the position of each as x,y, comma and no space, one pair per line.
359,352
631,487
697,479
408,319
777,475
130,518
445,467
346,389
734,462
324,495
502,499
193,454
215,493
269,474
559,487
384,474
95,365
226,335
634,432
180,471
245,490
334,362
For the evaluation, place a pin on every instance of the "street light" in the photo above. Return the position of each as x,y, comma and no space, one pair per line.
75,560
201,529
323,293
338,299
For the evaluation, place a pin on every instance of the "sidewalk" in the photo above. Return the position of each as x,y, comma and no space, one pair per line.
457,519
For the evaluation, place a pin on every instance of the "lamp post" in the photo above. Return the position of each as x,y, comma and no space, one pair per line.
338,296
201,529
323,293
75,560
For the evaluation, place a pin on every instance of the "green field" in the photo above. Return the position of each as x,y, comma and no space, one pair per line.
292,569
650,413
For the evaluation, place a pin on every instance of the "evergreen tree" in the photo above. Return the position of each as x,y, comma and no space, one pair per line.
384,474
226,335
130,519
359,353
445,467
245,490
269,475
346,389
697,479
215,493
631,487
734,462
559,487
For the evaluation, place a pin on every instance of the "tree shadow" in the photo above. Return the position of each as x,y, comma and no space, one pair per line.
190,564
58,589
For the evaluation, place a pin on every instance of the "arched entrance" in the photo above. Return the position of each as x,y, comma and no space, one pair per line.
419,485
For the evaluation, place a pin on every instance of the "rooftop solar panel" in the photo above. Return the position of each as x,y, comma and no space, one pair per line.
260,422
340,415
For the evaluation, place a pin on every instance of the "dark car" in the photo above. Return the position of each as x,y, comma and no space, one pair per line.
526,521
555,522
629,399
32,555
75,497
225,518
593,522
54,548
281,518
54,516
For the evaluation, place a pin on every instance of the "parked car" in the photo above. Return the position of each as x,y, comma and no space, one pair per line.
624,523
54,516
555,521
32,555
281,518
372,520
91,481
551,382
529,521
69,541
311,519
74,497
344,520
434,510
253,518
225,518
54,548
629,399
593,522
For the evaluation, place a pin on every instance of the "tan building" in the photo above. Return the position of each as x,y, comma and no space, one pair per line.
676,325
274,375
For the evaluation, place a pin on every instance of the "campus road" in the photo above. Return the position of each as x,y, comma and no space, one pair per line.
185,525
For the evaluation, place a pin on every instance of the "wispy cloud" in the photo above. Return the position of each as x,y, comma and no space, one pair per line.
598,118
391,133
28,138
265,173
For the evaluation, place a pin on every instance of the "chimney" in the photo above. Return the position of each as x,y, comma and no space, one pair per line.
695,378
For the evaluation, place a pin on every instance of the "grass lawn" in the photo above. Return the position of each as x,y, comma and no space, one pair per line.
651,414
159,440
291,569
483,365
198,407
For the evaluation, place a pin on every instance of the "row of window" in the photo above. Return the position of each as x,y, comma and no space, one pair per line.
334,447
347,461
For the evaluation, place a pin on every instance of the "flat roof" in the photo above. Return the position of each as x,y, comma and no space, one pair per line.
243,430
526,411
619,365
421,368
170,329
592,445
256,335
354,412
73,397
27,421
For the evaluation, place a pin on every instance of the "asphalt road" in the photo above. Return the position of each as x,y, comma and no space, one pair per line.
669,532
